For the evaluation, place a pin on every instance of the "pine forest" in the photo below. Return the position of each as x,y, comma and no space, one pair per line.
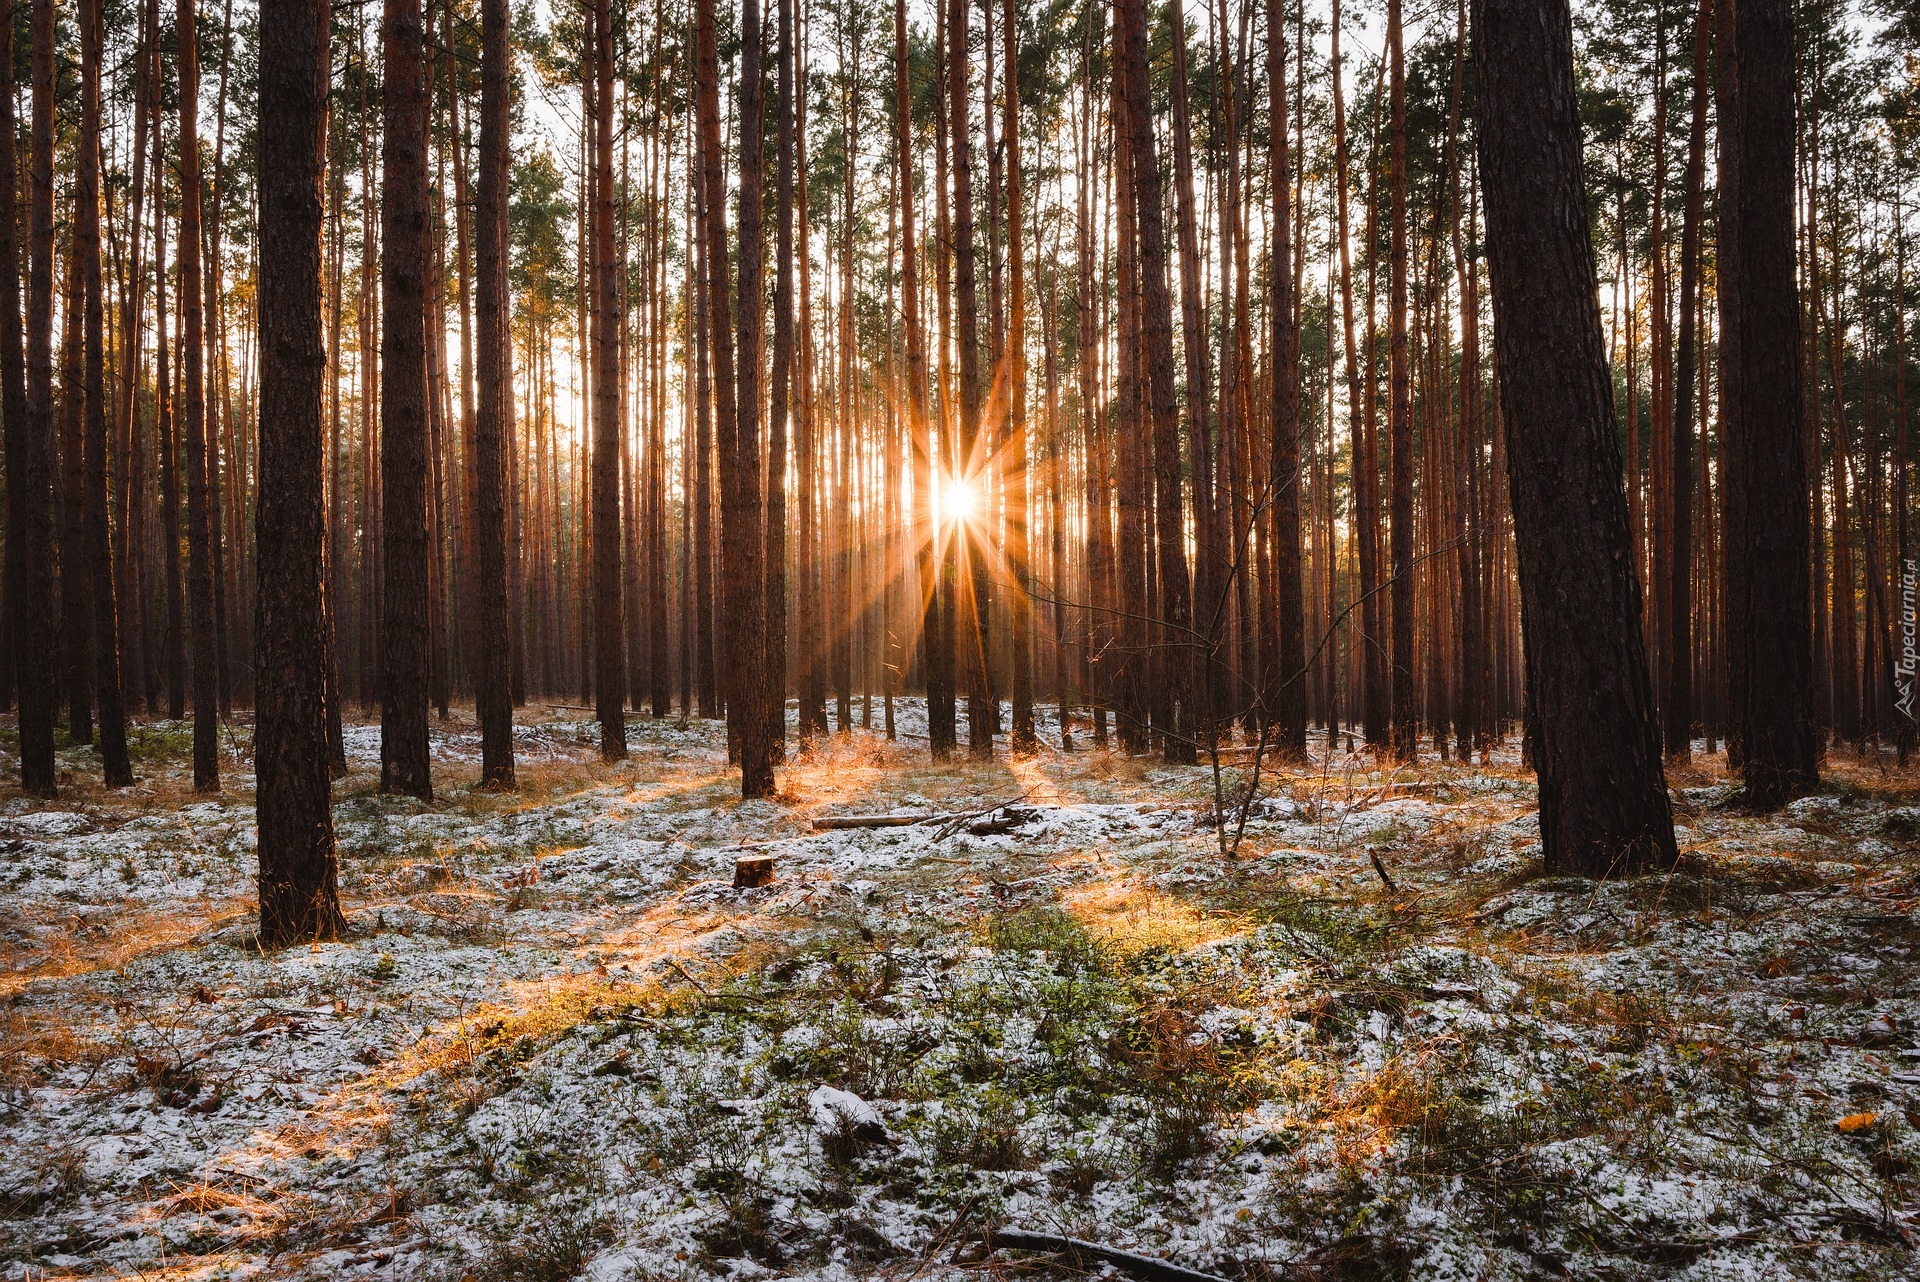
1182,640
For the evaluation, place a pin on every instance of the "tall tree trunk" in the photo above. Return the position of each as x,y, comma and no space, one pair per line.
1403,730
1209,565
1013,450
1470,716
1677,710
76,596
1770,671
706,644
117,767
973,469
26,400
1596,745
193,397
227,516
405,249
1176,602
128,437
493,419
1286,683
925,537
299,869
780,393
734,422
174,641
609,641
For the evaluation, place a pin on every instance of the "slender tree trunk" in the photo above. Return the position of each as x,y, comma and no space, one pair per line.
126,428
405,249
1470,715
26,400
228,515
200,459
706,644
1209,565
493,420
735,421
925,536
780,393
1678,709
299,896
973,469
1596,746
609,642
1403,732
174,642
117,767
1286,682
1014,450
76,605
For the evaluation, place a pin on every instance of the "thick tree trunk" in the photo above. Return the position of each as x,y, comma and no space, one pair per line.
405,249
492,429
1603,800
299,896
1770,671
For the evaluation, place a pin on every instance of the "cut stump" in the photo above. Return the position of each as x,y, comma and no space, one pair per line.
752,870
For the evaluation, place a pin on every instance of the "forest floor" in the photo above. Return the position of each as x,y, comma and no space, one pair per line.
558,1043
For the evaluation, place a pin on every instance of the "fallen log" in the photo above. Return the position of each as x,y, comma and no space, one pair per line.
1144,1267
834,823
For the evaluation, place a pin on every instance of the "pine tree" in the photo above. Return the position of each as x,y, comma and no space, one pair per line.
299,895
1603,798
405,250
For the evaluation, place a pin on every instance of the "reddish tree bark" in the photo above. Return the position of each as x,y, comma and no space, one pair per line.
493,419
405,250
26,400
201,531
299,869
117,768
609,643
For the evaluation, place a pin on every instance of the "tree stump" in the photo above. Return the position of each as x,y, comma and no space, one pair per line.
752,870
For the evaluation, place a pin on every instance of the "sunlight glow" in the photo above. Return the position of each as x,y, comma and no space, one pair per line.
959,501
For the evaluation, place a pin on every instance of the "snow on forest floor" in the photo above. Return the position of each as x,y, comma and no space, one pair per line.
557,1043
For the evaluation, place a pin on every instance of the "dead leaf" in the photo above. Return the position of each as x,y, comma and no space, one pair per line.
1857,1122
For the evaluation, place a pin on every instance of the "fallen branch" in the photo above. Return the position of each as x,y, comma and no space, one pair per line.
1144,1267
950,821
